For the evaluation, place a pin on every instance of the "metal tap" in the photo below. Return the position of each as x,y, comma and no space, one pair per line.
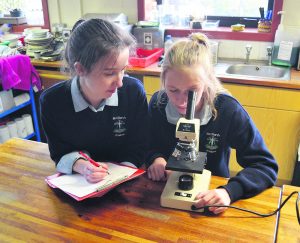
269,55
248,51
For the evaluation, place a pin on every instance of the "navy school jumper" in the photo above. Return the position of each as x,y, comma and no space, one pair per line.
118,133
232,128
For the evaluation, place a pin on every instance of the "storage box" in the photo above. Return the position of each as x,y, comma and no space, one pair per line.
6,100
144,58
149,37
210,24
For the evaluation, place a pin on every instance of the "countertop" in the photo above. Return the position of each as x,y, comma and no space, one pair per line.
153,70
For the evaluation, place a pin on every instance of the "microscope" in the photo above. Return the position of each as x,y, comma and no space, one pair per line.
188,176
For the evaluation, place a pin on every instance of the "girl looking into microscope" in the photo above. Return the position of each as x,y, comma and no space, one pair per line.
224,124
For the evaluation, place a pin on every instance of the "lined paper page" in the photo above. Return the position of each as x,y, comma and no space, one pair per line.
77,185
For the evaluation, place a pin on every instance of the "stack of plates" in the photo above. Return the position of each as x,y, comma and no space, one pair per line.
27,31
39,33
38,40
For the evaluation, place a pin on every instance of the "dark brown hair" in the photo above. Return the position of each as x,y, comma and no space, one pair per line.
94,39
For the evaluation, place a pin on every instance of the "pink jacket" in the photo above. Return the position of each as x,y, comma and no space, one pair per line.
17,72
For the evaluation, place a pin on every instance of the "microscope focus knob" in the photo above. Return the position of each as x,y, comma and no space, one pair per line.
185,182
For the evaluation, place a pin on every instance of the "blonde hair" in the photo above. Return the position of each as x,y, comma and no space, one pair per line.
191,51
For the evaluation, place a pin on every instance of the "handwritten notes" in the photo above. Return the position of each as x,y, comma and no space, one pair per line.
77,185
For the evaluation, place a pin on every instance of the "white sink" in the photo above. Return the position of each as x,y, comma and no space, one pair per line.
258,71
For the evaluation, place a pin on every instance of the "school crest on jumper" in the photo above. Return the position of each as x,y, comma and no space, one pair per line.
119,128
211,143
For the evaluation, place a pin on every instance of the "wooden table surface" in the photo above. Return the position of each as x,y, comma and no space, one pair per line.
31,211
288,227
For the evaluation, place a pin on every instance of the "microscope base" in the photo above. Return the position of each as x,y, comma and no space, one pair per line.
172,197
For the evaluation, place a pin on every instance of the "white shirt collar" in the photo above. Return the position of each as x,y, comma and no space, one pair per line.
173,115
80,103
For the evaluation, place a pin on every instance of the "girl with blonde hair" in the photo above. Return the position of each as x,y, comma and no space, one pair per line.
224,124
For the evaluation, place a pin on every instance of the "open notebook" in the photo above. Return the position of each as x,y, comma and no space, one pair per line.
79,188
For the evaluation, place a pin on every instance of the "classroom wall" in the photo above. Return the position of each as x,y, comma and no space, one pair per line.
291,16
69,11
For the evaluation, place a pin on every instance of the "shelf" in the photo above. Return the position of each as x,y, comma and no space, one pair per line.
5,113
30,136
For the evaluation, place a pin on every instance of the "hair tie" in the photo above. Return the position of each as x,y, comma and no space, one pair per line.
197,38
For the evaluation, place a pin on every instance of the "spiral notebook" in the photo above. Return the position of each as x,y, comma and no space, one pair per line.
79,188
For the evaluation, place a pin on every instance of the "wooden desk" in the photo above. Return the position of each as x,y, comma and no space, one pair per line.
288,227
32,211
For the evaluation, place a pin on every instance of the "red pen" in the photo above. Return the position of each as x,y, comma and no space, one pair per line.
93,162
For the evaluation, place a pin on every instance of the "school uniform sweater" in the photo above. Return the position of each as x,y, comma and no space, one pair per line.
118,133
232,128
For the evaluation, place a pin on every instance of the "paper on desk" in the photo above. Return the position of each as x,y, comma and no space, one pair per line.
77,185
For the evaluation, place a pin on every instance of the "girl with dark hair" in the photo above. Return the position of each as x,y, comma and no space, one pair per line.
100,110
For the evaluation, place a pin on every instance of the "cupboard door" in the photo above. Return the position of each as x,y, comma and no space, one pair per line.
276,113
151,84
273,98
49,78
281,132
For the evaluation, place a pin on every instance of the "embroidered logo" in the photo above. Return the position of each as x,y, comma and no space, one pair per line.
212,140
119,128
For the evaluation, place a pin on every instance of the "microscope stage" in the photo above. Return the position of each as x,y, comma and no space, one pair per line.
173,197
188,166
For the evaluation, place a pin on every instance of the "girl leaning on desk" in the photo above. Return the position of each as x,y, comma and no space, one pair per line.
100,110
224,124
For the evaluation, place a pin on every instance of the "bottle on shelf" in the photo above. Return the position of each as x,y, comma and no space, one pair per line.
286,45
168,43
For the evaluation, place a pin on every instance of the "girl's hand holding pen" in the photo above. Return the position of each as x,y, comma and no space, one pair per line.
95,174
91,172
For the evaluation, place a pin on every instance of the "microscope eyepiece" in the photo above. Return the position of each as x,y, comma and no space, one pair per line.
190,111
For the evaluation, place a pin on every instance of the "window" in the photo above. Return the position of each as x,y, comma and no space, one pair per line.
227,11
35,11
